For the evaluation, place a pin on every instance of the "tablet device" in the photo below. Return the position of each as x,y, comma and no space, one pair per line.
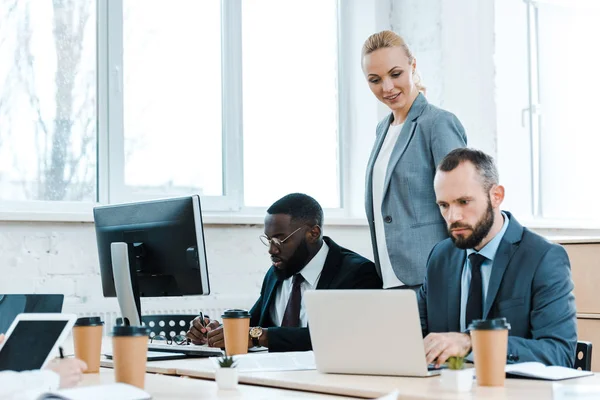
32,339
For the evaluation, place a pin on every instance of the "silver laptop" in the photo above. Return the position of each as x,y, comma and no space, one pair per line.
370,332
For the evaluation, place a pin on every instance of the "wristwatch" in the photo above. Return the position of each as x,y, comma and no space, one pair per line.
255,334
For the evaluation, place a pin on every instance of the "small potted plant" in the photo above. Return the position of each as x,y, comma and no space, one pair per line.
226,375
456,377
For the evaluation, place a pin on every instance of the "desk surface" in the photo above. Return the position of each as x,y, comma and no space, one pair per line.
367,386
163,387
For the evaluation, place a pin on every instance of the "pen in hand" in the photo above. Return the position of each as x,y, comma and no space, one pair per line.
60,352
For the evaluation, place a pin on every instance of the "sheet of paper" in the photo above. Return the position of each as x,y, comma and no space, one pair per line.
539,370
266,362
113,391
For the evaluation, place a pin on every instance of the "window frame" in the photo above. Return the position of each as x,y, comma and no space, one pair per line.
110,183
535,116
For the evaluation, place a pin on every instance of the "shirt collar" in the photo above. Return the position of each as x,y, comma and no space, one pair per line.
312,270
490,249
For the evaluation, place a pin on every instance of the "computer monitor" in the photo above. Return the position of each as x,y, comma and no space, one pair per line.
151,249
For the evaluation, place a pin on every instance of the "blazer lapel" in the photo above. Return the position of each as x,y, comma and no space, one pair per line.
508,246
408,131
457,260
331,266
380,137
265,313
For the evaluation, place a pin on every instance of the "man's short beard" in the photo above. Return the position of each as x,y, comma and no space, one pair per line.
480,231
295,264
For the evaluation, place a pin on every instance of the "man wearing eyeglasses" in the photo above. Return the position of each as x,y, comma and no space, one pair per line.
302,259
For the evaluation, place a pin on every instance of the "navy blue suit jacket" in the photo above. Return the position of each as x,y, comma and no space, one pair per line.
530,286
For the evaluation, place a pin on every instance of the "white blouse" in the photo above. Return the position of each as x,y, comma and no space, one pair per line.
379,171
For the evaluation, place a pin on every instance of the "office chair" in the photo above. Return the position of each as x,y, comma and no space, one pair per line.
583,356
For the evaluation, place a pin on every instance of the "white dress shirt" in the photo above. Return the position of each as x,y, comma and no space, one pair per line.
27,385
379,172
311,274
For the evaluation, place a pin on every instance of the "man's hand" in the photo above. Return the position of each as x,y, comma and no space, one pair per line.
440,346
70,370
199,329
216,338
1,338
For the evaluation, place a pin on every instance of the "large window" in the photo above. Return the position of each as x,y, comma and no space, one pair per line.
120,100
290,100
48,100
172,98
564,87
546,94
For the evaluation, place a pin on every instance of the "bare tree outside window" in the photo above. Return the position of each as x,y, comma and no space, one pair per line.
48,100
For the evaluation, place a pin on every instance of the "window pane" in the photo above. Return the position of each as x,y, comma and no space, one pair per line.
569,88
290,100
48,100
172,96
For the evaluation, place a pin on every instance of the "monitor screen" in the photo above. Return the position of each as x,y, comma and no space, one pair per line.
151,249
29,344
167,237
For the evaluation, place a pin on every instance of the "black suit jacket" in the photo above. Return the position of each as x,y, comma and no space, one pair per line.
343,269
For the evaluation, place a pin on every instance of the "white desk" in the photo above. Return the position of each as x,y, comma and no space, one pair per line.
367,386
163,387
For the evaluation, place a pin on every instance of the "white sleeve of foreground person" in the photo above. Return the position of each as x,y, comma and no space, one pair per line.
27,385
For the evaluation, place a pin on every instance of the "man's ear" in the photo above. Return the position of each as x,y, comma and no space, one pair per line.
313,234
497,195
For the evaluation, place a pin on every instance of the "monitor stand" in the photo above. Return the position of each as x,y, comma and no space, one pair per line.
124,257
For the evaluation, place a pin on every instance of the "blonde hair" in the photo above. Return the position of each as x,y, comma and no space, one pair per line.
388,39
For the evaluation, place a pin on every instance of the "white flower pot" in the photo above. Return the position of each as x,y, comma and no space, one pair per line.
457,380
226,378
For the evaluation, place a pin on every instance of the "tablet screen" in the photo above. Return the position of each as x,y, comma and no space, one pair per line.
29,344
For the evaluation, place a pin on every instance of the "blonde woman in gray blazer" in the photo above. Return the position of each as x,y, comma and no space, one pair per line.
404,219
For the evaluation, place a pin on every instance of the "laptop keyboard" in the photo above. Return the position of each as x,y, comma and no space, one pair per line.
432,367
190,350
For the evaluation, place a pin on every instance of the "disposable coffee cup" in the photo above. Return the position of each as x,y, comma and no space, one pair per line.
236,327
87,339
130,351
490,343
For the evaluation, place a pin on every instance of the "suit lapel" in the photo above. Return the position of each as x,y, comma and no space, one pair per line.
508,246
381,133
406,135
457,261
331,266
265,314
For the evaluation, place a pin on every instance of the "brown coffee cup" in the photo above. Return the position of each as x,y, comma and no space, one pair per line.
130,351
490,343
236,328
87,339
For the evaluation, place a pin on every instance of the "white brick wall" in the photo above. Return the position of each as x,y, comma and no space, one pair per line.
62,258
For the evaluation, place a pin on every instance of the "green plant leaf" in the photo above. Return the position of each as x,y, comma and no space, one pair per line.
456,363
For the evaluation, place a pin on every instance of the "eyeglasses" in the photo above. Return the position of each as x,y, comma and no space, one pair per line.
278,243
178,339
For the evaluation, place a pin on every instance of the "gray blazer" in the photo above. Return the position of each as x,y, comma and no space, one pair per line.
530,286
412,220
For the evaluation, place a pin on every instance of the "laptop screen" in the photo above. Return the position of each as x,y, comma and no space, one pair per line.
29,344
12,305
